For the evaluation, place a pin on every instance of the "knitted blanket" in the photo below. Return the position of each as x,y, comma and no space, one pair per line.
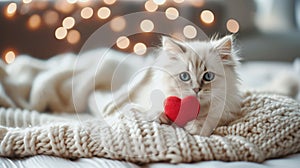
270,128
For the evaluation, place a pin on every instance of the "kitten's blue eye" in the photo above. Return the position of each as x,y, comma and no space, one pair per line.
184,76
208,76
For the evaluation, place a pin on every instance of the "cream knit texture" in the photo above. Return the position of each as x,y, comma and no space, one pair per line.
270,128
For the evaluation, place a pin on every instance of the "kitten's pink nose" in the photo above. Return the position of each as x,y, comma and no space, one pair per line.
196,90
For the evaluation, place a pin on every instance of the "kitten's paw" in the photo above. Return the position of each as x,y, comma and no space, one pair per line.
193,127
161,118
3,132
164,119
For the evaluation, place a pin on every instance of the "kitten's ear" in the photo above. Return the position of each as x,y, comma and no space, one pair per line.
225,49
171,45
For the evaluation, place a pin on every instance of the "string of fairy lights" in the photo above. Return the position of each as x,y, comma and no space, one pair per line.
66,31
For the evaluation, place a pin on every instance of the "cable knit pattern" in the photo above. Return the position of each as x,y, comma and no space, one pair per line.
270,128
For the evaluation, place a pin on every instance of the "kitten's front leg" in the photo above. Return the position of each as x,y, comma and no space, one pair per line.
163,119
159,117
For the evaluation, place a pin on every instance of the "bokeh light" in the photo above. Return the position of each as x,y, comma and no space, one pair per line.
61,33
34,22
118,24
104,12
11,9
86,13
207,16
41,5
68,22
150,6
140,48
172,13
72,1
189,31
84,3
178,1
233,26
123,42
159,2
147,25
62,6
27,1
109,2
9,56
50,17
197,3
73,36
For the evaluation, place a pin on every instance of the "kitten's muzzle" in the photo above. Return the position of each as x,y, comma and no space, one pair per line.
196,90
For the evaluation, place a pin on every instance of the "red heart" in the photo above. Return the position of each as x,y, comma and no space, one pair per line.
181,111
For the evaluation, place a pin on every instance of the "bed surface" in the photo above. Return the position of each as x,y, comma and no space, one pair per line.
292,161
253,74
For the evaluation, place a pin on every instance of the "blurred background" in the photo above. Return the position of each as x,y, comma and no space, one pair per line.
265,29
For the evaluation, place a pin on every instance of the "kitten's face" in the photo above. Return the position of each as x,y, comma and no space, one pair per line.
203,69
189,73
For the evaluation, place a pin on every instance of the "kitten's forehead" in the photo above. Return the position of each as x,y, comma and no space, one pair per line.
200,54
197,58
198,50
199,47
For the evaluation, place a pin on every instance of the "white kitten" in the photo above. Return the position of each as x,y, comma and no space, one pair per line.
205,69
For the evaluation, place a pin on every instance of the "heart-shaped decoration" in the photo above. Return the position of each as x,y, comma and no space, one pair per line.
181,111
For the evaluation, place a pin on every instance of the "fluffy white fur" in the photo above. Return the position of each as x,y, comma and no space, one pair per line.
219,98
